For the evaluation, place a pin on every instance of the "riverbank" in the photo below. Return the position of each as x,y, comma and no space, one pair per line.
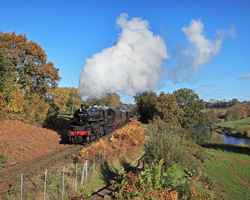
237,128
230,172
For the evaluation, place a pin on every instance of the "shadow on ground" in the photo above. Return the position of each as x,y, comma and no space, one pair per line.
229,148
128,167
108,173
60,125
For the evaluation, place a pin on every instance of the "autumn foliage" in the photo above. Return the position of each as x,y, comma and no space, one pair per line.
25,77
67,100
238,111
116,146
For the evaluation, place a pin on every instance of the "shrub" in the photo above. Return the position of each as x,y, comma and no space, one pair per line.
172,145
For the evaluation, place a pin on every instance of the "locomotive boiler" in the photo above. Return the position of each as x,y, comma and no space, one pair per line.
96,121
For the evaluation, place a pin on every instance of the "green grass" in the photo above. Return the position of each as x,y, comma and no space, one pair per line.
239,127
230,173
2,161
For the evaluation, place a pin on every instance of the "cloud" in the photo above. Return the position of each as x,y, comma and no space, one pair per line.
199,51
134,64
245,77
202,50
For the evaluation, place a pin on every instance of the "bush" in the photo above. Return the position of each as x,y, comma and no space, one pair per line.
153,183
238,111
172,145
181,156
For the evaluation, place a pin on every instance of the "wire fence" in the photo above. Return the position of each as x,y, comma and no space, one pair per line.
53,184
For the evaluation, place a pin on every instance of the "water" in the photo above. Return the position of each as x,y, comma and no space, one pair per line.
235,140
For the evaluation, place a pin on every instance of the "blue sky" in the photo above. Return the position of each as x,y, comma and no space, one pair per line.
71,31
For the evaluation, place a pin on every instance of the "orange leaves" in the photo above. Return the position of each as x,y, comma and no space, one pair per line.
29,61
66,99
49,70
37,108
16,103
127,137
8,39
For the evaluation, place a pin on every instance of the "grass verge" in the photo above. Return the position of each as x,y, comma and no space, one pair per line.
230,173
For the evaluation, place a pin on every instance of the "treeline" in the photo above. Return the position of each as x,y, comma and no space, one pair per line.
183,109
229,111
29,83
238,111
221,103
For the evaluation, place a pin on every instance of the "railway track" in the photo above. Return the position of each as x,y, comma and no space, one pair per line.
108,190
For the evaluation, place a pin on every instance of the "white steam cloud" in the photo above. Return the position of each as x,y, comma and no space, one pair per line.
134,64
200,51
204,49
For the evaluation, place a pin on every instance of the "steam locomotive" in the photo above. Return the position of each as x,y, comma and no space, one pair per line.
96,121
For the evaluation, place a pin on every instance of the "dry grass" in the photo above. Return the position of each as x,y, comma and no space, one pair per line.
116,146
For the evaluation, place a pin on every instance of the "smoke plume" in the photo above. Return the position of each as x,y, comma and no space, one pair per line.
199,51
134,64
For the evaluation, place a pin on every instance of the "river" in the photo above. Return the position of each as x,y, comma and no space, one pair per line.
235,140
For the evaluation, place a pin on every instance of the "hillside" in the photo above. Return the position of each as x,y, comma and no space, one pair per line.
20,142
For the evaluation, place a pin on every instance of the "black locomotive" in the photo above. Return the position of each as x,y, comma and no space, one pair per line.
94,122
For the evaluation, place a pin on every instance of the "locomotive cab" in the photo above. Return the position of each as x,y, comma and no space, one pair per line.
94,122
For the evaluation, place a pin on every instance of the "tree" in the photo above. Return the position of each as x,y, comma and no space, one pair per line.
67,100
111,100
191,105
28,61
194,119
146,105
238,111
168,109
25,77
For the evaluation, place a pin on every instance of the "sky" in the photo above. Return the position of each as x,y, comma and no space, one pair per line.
73,32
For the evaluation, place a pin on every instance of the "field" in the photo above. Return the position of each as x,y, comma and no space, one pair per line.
237,127
231,173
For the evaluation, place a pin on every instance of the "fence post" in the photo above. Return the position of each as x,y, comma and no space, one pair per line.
94,165
76,177
63,183
82,175
45,184
21,187
86,169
